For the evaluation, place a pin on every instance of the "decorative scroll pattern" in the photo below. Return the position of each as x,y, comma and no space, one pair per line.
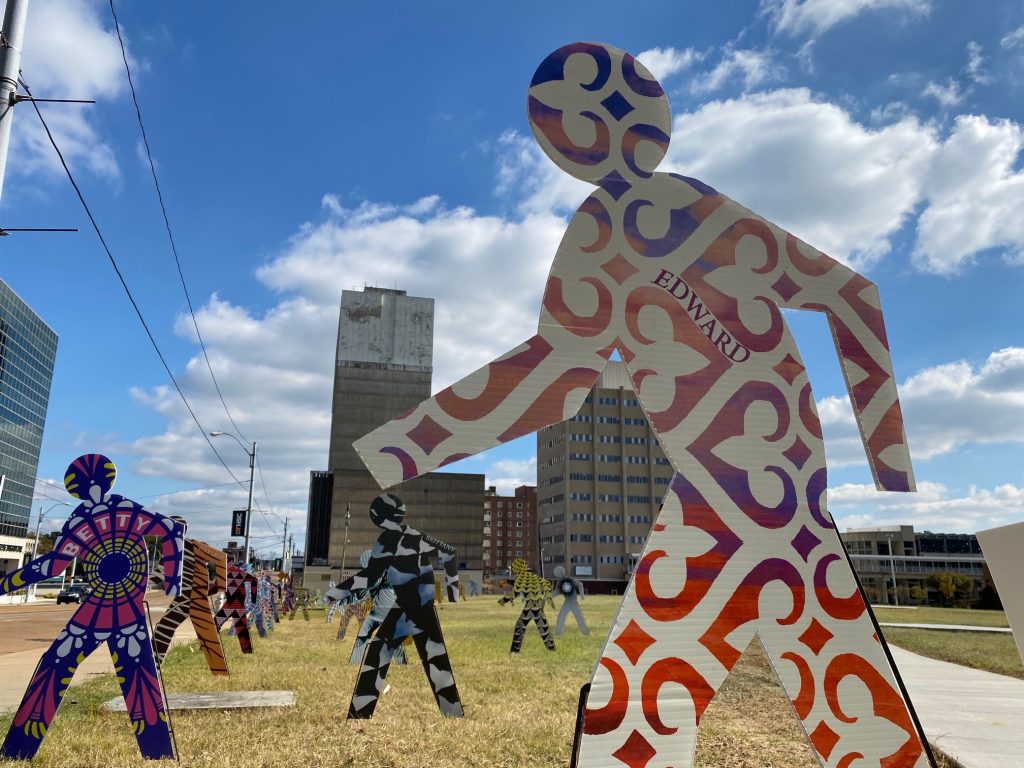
688,287
107,533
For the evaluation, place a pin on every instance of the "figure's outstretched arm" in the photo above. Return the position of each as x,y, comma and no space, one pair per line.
44,567
358,586
446,556
529,387
812,280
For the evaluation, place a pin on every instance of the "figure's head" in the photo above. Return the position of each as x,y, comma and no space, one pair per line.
559,572
519,566
599,114
387,511
90,477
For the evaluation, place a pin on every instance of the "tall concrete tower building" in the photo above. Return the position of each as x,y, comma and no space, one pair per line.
601,478
382,368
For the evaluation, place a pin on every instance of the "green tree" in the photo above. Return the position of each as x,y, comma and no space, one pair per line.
945,585
917,594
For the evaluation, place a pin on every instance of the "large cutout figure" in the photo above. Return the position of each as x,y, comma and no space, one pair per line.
402,554
203,574
688,287
107,533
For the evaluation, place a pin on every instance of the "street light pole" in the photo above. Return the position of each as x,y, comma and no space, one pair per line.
252,470
35,543
892,571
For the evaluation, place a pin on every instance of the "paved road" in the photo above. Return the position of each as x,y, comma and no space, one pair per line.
28,630
975,717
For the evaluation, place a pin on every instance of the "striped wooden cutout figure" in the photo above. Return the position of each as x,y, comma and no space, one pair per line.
204,574
688,287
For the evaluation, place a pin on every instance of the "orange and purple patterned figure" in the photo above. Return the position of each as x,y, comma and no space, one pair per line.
107,533
688,287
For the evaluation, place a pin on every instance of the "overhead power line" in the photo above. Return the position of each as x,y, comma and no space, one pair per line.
124,284
167,221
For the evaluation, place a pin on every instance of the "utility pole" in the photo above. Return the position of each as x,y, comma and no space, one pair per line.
284,545
344,542
10,66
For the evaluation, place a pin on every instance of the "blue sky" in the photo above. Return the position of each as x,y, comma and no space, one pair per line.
336,145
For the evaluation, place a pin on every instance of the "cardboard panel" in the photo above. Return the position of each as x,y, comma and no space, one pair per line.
1002,547
107,533
688,287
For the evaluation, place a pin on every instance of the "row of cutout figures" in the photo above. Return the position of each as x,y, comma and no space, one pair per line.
393,594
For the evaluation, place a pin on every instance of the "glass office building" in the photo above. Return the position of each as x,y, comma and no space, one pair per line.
27,350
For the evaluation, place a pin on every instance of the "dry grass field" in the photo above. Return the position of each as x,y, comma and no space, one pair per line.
520,710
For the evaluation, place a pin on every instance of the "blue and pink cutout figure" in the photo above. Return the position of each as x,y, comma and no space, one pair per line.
107,533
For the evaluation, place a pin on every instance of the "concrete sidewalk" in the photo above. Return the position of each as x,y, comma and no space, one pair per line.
949,627
16,669
973,716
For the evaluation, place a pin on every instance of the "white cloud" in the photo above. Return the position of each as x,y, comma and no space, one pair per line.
69,52
808,166
976,64
665,62
750,66
933,508
948,95
1013,39
814,17
508,474
975,195
944,408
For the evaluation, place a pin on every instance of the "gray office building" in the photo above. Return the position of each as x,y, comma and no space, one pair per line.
28,347
383,368
601,478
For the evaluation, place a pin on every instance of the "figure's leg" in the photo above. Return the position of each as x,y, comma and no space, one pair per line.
366,629
261,629
560,623
46,690
371,679
135,667
545,631
656,673
241,629
164,630
434,656
578,615
520,631
209,637
836,674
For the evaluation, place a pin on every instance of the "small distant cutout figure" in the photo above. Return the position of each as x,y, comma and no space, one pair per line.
474,588
203,575
301,598
534,590
241,584
402,554
107,533
571,591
